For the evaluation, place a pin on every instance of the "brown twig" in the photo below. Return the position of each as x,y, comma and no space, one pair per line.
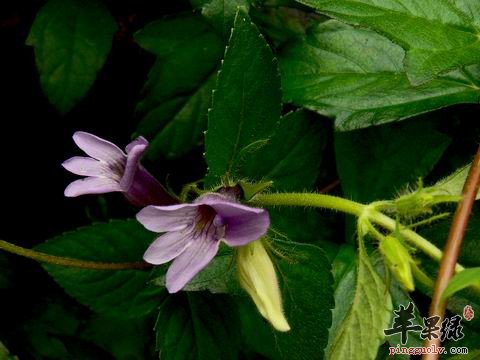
329,187
453,246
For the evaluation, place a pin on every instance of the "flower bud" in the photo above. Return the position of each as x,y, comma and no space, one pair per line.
398,260
258,277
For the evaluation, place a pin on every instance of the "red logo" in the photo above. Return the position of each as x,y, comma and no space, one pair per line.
468,313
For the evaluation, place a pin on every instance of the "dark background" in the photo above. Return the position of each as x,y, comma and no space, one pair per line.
36,139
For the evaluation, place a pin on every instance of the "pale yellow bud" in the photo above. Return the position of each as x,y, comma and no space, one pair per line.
258,277
398,260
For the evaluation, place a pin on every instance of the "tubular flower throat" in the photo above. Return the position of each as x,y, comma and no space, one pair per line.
109,169
193,233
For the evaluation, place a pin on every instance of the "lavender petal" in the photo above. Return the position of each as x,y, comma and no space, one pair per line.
98,148
190,263
167,218
85,166
167,247
243,229
244,224
133,159
138,141
226,207
91,185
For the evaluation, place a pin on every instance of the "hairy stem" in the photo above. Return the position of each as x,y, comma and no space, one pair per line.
353,208
310,200
453,246
64,261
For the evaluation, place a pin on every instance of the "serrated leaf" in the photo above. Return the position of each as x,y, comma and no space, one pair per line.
376,163
453,183
452,39
246,103
72,39
121,293
357,77
358,324
221,13
462,280
177,93
306,282
199,326
185,130
292,157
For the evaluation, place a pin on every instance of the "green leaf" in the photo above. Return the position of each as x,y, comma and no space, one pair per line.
462,280
122,293
363,308
453,183
470,252
452,40
177,93
72,39
317,227
123,339
378,162
399,297
246,103
357,77
5,354
292,158
199,326
306,282
52,332
185,130
221,13
282,22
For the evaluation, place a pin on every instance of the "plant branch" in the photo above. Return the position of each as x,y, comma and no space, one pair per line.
453,246
353,208
64,261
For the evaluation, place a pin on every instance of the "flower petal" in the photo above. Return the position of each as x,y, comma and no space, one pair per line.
243,229
85,166
226,207
167,218
190,263
91,185
167,247
138,141
98,148
133,159
243,223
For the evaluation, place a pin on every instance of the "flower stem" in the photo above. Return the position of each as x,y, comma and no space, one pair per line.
64,261
453,246
310,200
349,207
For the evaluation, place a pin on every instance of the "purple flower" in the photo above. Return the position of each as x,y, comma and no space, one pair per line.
193,233
109,169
